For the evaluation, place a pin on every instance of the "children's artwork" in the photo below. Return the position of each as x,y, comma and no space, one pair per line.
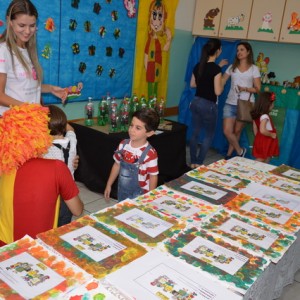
237,170
272,195
29,270
205,174
177,205
157,276
98,290
92,246
269,213
250,234
235,267
287,171
283,184
201,189
140,223
251,164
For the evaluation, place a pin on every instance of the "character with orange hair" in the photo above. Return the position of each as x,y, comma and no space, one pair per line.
30,186
158,34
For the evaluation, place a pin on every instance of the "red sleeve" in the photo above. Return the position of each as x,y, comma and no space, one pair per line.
67,186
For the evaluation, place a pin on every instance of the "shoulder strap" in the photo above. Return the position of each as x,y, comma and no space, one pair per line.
145,152
64,150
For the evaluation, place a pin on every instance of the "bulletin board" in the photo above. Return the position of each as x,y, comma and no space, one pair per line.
87,46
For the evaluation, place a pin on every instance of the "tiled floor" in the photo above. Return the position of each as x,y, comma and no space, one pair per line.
94,202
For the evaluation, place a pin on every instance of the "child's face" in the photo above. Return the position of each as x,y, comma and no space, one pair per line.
137,130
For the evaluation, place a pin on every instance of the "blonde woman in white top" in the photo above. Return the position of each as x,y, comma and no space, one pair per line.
20,72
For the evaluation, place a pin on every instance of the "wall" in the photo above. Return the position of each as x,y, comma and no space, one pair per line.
284,58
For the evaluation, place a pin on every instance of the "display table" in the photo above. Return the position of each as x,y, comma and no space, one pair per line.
96,147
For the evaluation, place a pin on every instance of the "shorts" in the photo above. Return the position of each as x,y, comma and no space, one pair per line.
229,111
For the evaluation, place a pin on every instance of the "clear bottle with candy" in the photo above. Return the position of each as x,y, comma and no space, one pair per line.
102,112
124,115
113,116
160,108
89,112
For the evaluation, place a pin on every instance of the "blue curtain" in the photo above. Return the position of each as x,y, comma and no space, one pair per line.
228,52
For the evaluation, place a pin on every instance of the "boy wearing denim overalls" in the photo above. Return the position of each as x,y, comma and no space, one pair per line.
135,159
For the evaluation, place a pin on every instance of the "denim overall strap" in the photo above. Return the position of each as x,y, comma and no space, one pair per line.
128,181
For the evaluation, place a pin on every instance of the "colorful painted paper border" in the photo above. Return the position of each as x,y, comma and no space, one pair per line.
97,269
73,275
199,172
239,172
274,252
108,217
177,183
245,276
282,169
271,180
252,164
205,208
292,225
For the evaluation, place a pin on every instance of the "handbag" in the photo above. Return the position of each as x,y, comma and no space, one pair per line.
244,108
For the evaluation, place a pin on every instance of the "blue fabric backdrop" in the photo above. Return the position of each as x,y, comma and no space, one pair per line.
228,52
62,67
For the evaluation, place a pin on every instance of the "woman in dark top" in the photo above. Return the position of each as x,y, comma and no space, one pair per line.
207,79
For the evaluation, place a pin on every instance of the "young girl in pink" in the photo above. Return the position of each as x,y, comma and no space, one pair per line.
265,142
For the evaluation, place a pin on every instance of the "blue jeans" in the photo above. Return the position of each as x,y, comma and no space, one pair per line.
204,117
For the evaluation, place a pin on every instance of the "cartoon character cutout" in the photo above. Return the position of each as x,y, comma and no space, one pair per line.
130,7
208,22
159,39
294,24
266,23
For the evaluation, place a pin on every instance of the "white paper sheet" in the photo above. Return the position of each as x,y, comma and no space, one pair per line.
205,190
93,243
158,276
215,255
272,195
28,276
248,232
226,180
172,206
144,222
271,213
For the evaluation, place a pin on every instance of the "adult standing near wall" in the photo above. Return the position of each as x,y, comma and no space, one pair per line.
207,79
21,75
245,81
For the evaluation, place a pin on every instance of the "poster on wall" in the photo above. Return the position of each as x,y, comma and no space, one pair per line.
85,46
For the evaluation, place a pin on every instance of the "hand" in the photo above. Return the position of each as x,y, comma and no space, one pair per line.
273,135
242,89
223,62
76,162
59,92
107,193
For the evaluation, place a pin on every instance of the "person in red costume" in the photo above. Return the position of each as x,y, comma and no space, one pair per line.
30,186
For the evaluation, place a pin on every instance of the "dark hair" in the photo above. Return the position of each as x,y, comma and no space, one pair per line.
250,59
148,116
58,120
262,105
209,49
